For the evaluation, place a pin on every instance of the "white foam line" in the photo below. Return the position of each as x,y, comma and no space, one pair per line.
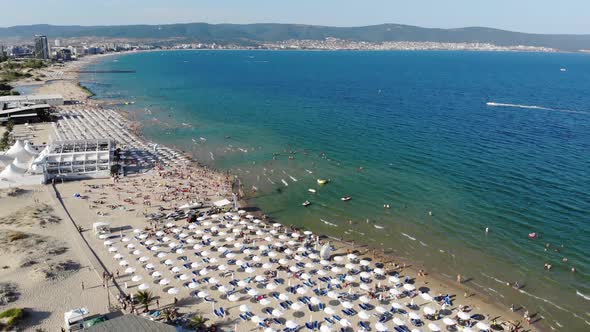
539,298
583,295
493,104
409,237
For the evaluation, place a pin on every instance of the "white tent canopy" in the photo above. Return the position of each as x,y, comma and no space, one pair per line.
101,227
222,202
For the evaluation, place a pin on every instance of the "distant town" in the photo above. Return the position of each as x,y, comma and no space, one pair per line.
43,48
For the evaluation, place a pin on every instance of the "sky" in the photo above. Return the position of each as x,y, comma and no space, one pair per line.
535,16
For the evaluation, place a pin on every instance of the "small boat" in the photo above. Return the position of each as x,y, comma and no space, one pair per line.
346,198
532,235
306,203
322,181
386,206
379,226
563,69
311,190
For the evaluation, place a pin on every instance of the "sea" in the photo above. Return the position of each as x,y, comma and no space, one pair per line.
433,148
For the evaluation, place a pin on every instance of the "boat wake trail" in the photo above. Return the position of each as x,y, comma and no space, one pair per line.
533,107
583,296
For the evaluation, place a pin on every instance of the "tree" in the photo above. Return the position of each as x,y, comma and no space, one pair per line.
10,125
4,141
145,298
198,323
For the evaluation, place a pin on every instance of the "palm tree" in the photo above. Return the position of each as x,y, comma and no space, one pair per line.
145,298
198,322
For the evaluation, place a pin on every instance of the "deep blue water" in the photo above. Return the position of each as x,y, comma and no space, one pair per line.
408,129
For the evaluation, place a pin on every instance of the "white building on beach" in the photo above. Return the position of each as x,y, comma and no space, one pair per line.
19,101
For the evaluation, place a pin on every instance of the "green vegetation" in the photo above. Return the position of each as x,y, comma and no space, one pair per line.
244,34
5,141
145,298
10,317
198,323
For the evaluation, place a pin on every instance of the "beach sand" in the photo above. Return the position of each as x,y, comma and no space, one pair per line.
124,205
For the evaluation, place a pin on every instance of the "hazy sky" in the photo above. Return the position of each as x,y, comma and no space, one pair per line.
542,16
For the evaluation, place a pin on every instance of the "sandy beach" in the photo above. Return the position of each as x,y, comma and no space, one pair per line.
261,273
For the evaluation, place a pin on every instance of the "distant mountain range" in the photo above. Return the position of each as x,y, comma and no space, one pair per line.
249,34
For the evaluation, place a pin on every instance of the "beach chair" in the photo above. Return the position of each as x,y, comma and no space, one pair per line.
329,320
243,317
309,326
336,317
222,311
364,326
267,311
316,325
217,313
310,307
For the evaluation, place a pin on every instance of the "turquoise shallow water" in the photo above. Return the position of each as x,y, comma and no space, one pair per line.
408,129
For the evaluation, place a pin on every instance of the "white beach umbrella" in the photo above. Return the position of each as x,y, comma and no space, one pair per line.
192,285
130,270
156,274
266,301
136,278
213,280
347,305
175,269
131,246
433,327
365,262
344,322
393,279
409,287
252,292
426,296
428,310
161,255
137,252
394,292
123,263
125,239
118,256
173,291
413,315
108,243
290,324
233,298
184,277
365,275
202,294
482,326
380,327
169,262
380,310
365,287
364,299
194,265
143,286
155,248
449,322
164,282
325,328
277,313
150,266
364,315
397,321
463,315
203,272
301,290
322,272
332,295
143,259
113,249
242,283
244,308
271,286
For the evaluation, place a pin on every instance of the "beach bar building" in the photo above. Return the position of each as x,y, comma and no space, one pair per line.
76,159
25,100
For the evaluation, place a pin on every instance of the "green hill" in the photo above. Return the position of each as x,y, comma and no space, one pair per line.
268,32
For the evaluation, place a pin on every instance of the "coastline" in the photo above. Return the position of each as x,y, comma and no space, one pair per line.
70,88
485,302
